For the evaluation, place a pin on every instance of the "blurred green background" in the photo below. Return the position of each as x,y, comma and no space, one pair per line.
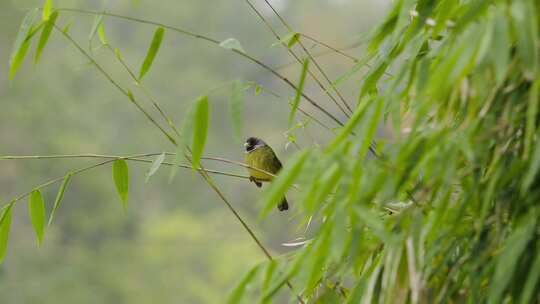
177,243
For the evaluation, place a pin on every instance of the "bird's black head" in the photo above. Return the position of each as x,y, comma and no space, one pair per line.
253,143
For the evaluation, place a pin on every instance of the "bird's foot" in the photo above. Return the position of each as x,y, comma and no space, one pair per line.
258,183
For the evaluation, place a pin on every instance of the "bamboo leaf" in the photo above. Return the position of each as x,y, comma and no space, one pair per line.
120,173
36,209
152,51
507,259
299,90
45,34
532,170
268,275
238,292
5,222
532,112
532,280
59,197
236,108
101,34
289,40
200,130
186,133
22,42
155,166
97,22
232,44
47,7
283,182
526,26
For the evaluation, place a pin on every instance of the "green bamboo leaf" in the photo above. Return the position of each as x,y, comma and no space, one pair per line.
289,40
526,25
283,181
45,34
238,292
327,182
59,196
292,40
532,169
67,27
5,222
232,44
36,209
101,34
532,280
299,90
532,111
200,130
186,132
509,257
121,180
351,72
93,31
236,108
152,51
268,275
47,7
155,166
349,126
22,42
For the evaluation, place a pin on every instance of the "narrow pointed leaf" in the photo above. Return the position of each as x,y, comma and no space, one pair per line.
121,180
283,182
510,254
47,7
93,31
532,280
152,51
236,108
22,42
238,293
155,166
186,132
45,34
299,90
5,222
36,209
200,130
59,197
232,44
289,40
101,34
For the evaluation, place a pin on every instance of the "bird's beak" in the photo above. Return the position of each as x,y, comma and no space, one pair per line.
246,144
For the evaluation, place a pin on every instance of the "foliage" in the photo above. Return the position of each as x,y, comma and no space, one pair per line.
443,209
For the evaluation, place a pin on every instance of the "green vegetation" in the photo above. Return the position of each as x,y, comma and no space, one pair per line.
421,188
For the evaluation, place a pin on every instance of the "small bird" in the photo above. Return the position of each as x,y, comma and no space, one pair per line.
259,155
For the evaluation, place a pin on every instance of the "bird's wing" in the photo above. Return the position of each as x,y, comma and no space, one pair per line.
276,164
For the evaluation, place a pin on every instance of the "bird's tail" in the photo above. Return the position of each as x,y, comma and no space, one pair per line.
284,205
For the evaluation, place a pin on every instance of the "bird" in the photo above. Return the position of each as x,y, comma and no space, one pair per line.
259,155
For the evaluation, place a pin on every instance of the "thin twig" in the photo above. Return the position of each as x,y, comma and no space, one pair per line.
215,42
130,158
312,59
293,54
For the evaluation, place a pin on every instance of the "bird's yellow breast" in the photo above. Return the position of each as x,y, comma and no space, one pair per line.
260,158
